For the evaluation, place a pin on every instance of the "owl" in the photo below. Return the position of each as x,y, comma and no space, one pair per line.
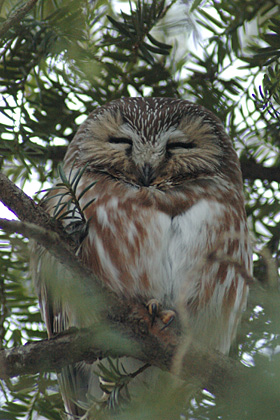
161,189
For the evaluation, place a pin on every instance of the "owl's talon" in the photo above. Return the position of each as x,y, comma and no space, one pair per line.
167,318
153,309
153,306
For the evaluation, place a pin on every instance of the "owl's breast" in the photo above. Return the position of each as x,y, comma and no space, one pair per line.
124,245
139,250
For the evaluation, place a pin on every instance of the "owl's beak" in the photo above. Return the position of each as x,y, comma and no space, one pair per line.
146,175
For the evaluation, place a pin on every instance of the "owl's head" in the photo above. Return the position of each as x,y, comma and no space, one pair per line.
159,142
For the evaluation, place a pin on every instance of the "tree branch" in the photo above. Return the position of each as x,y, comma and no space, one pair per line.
17,16
252,170
157,347
27,210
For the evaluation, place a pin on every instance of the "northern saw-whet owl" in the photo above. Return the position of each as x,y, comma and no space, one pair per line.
167,195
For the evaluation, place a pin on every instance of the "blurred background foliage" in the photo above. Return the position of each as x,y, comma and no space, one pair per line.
61,60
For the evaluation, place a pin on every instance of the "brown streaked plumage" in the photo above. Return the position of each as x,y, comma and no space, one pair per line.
168,195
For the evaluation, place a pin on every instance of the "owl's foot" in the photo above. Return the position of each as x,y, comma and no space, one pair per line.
166,316
153,308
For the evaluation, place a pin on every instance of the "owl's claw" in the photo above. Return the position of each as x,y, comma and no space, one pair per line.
166,316
153,309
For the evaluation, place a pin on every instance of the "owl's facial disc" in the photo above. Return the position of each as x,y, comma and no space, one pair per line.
153,155
168,155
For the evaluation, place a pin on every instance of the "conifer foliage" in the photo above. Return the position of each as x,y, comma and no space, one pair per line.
59,59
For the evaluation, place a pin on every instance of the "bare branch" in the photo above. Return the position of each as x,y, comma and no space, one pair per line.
200,366
252,170
17,17
26,209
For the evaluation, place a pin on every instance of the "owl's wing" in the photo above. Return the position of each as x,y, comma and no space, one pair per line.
211,255
74,383
73,379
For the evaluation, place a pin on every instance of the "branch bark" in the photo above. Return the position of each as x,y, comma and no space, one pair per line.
27,210
17,16
199,365
252,170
